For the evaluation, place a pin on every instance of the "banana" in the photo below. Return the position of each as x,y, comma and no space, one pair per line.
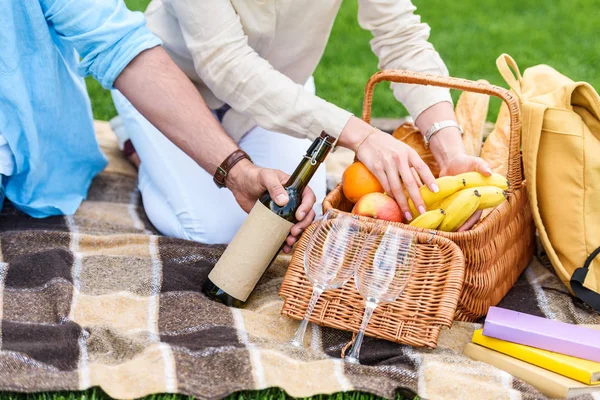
491,196
444,203
475,179
430,220
447,185
459,211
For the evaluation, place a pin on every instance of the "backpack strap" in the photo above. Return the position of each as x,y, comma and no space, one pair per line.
588,296
509,70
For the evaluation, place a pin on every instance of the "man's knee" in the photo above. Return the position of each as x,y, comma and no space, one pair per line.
210,229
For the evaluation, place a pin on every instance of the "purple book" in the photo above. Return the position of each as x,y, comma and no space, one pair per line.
542,333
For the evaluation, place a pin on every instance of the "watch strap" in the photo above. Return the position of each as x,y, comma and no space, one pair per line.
438,126
223,170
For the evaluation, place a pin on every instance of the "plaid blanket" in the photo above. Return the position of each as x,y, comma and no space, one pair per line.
100,299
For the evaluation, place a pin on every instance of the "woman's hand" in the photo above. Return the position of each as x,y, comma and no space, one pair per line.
248,182
449,151
390,160
465,163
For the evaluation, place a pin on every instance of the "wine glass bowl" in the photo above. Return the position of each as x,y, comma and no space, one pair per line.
384,270
332,251
330,258
386,263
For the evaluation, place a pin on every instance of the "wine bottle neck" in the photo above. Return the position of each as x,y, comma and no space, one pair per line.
310,163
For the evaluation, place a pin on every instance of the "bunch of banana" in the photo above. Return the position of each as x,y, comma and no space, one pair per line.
458,198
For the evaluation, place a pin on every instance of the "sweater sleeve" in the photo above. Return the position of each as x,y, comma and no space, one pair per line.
105,33
400,41
239,76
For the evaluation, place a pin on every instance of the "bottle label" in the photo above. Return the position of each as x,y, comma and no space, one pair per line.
250,251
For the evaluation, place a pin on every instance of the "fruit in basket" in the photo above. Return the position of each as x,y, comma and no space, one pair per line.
430,220
358,181
444,203
491,196
448,185
460,210
474,179
379,206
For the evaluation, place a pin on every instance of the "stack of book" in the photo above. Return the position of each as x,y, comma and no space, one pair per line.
561,360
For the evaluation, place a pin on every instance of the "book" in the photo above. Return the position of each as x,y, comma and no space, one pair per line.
547,382
543,333
581,370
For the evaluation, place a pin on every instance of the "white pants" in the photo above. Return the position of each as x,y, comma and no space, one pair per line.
181,199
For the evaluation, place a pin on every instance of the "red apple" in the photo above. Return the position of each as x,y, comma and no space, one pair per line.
379,206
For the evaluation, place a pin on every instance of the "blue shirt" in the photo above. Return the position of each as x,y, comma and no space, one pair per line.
45,113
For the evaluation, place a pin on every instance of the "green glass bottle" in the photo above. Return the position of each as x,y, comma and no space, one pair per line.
263,234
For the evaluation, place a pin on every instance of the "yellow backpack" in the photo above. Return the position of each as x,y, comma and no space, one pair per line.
561,159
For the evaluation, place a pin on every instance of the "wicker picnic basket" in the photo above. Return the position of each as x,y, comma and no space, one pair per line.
427,304
496,250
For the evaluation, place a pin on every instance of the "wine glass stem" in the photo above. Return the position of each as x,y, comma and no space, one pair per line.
299,336
354,352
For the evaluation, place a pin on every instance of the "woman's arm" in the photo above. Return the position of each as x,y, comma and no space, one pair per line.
239,76
401,42
247,82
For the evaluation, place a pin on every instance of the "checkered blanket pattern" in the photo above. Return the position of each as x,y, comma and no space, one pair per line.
100,299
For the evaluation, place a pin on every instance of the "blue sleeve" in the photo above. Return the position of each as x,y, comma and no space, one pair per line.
105,33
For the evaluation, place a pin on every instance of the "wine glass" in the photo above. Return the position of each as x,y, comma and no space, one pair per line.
386,263
330,259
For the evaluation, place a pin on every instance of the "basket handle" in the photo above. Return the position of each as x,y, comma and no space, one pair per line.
515,174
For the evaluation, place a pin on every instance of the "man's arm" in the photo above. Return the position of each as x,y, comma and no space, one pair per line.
161,92
118,50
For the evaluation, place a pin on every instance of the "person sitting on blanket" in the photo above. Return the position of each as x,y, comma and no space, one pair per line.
252,62
48,149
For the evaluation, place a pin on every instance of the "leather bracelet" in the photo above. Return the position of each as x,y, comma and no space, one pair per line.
223,170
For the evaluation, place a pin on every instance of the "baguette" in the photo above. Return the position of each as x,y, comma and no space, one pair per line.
411,135
495,148
471,113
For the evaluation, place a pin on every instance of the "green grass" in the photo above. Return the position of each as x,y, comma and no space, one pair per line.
268,394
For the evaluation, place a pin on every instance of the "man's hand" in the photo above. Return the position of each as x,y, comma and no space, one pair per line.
175,107
248,182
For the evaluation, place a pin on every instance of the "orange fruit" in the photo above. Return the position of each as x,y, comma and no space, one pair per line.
357,181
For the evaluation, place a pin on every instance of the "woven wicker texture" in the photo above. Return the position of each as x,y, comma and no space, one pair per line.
427,304
499,247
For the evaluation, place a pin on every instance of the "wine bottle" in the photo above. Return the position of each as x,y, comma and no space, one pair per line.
263,234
